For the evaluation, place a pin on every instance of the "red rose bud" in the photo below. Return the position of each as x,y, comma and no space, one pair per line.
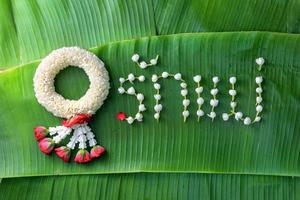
46,145
97,151
121,116
82,156
40,132
63,152
78,119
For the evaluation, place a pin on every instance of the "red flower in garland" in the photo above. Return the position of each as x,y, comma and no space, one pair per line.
40,132
78,119
121,116
63,152
46,145
82,156
97,151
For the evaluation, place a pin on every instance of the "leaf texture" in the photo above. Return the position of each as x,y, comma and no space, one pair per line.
270,147
152,186
177,16
31,29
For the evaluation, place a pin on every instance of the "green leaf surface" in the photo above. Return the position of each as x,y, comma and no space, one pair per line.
177,16
30,29
152,186
270,147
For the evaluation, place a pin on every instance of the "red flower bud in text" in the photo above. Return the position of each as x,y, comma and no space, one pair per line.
121,116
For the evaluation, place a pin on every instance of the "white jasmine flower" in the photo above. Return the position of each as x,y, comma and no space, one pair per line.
232,92
233,104
259,108
259,99
131,77
121,90
141,78
143,65
200,113
185,113
214,102
199,90
158,107
225,116
165,74
260,61
130,120
131,91
186,102
92,142
212,115
135,57
197,78
232,80
259,90
139,116
257,119
259,79
142,107
121,80
200,101
154,78
156,86
183,85
157,97
140,97
153,61
214,91
247,121
215,79
238,115
177,76
184,92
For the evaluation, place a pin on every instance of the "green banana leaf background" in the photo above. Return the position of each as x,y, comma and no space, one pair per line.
169,159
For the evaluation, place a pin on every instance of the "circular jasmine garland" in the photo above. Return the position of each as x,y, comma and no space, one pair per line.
76,112
57,61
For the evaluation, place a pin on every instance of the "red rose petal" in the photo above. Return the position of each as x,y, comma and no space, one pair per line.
121,116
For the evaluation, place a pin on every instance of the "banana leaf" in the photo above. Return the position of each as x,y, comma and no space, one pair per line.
177,16
152,186
30,29
269,148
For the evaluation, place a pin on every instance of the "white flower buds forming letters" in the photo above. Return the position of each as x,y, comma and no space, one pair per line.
214,102
158,107
143,65
131,91
200,100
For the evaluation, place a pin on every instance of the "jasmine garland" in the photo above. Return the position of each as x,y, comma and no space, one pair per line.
77,113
